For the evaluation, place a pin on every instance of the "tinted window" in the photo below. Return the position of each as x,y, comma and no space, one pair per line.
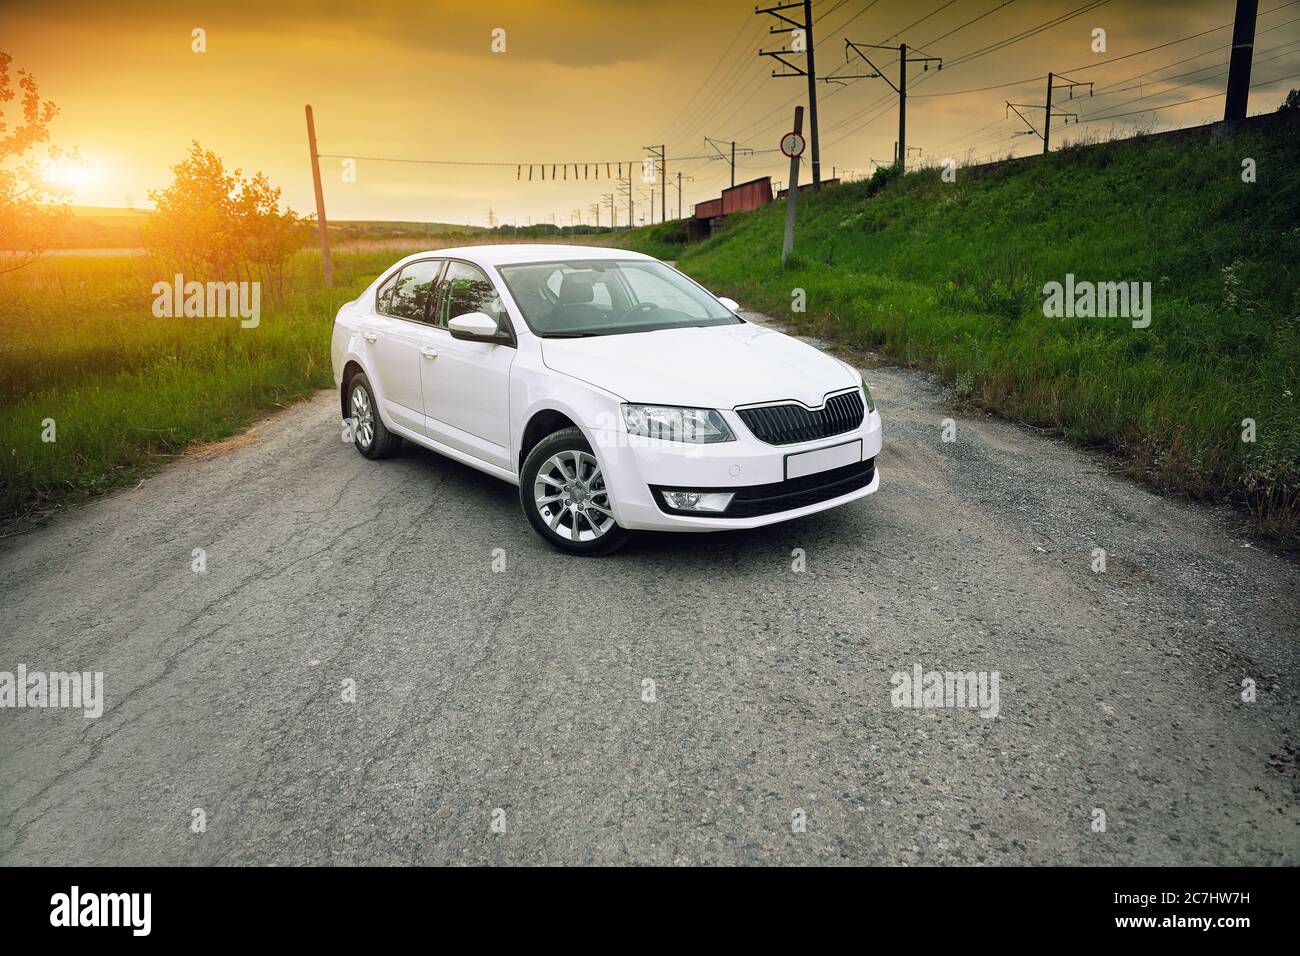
410,296
384,298
467,289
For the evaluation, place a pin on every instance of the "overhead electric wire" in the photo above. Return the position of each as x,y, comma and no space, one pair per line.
967,57
1168,106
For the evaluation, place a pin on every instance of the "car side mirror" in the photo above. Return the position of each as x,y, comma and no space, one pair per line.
477,327
731,304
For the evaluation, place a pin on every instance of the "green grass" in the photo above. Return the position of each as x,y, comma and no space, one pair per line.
949,276
79,344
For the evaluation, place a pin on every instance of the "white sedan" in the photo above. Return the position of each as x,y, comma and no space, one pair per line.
615,392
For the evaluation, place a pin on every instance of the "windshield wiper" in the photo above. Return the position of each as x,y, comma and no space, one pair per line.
572,335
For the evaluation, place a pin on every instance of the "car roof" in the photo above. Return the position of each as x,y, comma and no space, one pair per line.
509,253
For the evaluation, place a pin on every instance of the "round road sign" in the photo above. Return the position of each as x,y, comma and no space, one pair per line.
792,144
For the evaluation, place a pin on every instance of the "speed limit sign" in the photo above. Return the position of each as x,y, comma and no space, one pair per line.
792,144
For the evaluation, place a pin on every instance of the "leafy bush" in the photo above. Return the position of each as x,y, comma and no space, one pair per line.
211,224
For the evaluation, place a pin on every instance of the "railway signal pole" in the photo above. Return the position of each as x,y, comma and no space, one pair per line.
801,35
792,145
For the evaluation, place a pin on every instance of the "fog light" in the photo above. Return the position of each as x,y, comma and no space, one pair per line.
698,500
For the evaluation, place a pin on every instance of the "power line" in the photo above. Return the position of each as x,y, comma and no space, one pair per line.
1026,34
716,63
1167,106
1220,71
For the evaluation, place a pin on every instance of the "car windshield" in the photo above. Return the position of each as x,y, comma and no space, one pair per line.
609,297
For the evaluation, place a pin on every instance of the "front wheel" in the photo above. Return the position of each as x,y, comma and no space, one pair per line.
563,492
368,432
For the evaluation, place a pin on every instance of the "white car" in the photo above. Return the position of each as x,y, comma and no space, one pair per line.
615,392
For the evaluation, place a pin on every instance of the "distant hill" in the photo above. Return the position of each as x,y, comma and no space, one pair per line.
107,227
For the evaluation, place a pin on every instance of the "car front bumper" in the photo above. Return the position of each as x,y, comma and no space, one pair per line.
637,469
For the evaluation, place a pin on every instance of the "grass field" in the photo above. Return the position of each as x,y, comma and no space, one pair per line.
79,344
950,276
947,276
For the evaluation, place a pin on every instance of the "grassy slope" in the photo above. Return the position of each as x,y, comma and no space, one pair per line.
79,344
949,276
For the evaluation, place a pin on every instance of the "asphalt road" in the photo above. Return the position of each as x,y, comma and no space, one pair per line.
516,696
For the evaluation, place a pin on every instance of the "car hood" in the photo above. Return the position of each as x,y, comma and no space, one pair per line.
718,366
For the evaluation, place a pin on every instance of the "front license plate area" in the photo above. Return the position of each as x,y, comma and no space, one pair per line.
823,459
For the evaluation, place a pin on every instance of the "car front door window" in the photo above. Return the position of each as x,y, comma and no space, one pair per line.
466,289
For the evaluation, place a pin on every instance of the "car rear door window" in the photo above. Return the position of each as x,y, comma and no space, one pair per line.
413,290
384,297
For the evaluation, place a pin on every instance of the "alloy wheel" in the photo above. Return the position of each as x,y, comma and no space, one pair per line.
570,495
363,417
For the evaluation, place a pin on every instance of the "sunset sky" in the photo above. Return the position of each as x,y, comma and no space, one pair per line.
581,81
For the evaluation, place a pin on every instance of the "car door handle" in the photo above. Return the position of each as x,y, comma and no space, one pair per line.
428,352
370,336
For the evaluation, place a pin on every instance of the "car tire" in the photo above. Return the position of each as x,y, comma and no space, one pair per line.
369,435
563,465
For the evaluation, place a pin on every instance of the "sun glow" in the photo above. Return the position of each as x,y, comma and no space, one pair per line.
69,173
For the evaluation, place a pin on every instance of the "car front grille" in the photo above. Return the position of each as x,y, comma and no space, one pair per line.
790,423
755,500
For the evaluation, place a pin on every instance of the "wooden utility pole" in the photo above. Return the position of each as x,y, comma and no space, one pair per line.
320,201
787,245
1243,48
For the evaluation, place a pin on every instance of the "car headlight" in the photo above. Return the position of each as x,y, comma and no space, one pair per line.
694,425
867,397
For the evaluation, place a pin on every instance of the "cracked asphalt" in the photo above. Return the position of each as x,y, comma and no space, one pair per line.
520,690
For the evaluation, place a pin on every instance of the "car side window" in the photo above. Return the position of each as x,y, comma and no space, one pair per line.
413,290
384,297
465,288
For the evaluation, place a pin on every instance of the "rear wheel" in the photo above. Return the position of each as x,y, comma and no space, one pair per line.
368,432
563,492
